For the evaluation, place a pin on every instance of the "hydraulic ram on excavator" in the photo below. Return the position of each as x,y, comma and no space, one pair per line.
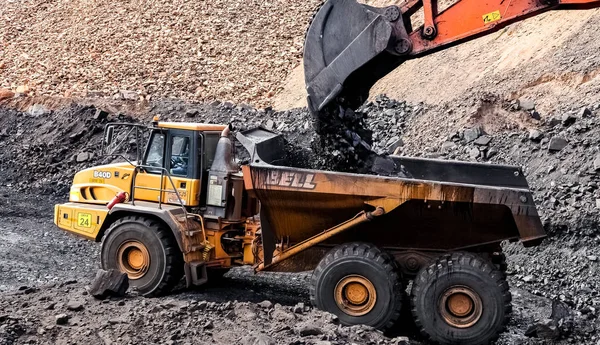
349,46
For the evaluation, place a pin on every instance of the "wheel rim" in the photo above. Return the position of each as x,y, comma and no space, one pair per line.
134,259
460,307
355,295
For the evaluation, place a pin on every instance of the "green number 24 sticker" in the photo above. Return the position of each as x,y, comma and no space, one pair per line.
84,220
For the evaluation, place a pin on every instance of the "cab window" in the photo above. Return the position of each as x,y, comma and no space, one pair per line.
210,147
180,155
155,155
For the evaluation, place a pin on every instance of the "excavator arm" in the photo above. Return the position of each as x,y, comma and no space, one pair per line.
349,46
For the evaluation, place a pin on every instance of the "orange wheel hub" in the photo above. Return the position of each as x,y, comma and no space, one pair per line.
133,258
355,295
460,307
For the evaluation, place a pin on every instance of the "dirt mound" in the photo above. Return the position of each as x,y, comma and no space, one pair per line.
42,147
195,50
560,156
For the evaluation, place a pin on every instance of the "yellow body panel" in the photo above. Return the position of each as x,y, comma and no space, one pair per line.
82,219
99,185
192,126
149,185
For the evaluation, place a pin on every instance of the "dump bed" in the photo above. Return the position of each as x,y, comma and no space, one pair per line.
437,205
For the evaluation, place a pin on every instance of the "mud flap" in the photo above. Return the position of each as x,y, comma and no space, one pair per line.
268,237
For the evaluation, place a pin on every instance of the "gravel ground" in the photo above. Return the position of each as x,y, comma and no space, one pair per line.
33,251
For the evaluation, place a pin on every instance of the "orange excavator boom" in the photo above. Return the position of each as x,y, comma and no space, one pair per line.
349,46
469,19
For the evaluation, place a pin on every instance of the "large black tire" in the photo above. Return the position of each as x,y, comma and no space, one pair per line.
164,266
360,262
461,277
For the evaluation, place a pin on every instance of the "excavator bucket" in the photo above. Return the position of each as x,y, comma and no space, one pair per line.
346,39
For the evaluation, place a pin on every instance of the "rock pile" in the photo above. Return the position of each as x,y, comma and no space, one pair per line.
200,50
42,149
560,159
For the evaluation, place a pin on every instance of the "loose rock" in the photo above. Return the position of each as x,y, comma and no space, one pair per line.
74,305
299,308
584,112
305,330
266,304
557,144
474,153
280,314
6,93
596,163
483,140
568,119
82,157
448,146
471,134
546,329
535,135
109,283
383,166
61,319
526,104
37,110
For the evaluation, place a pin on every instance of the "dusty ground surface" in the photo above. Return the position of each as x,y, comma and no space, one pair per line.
45,273
201,50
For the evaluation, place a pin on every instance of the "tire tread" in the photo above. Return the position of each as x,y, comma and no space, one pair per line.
174,258
363,250
488,268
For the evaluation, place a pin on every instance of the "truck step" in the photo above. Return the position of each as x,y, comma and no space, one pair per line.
192,233
197,248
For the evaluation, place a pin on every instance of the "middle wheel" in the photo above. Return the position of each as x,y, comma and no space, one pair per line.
360,284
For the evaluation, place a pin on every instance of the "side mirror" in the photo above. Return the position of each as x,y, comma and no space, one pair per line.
108,135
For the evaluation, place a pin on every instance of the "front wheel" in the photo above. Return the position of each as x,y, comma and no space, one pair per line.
360,284
461,299
144,250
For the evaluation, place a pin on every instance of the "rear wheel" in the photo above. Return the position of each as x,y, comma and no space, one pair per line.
146,252
461,299
360,284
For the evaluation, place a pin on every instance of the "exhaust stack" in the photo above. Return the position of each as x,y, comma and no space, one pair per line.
225,182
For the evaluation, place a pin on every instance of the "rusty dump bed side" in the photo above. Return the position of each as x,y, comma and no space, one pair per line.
437,205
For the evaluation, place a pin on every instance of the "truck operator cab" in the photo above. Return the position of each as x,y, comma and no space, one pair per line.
186,151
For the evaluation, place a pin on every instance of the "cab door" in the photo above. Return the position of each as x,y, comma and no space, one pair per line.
170,153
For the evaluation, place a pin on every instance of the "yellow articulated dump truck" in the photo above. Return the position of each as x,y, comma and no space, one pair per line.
185,207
